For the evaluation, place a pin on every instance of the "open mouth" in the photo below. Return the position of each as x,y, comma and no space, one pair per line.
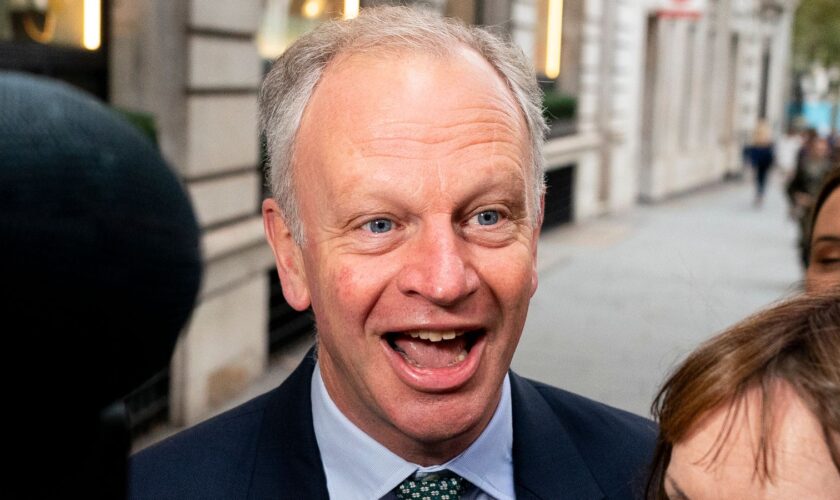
433,349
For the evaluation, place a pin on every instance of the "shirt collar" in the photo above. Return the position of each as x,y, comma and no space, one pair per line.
355,462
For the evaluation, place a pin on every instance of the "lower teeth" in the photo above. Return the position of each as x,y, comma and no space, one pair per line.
459,358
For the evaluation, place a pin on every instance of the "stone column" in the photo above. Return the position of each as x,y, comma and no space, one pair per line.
779,85
193,64
623,69
747,23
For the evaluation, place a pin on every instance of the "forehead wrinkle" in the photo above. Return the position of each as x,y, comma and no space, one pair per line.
460,133
407,150
422,193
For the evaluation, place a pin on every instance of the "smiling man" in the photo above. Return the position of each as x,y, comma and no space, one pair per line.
407,174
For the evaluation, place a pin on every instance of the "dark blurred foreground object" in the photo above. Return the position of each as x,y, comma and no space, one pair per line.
100,267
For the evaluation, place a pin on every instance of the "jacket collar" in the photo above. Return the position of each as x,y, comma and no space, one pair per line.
288,458
547,463
288,462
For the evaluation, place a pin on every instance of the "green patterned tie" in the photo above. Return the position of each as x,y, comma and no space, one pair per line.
442,485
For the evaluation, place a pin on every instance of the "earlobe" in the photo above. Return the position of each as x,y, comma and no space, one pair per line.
287,256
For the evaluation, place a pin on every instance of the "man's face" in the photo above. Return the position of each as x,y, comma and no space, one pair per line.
412,175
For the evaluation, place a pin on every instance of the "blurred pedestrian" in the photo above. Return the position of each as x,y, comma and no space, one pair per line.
761,156
834,141
823,238
834,147
753,413
809,137
787,151
812,167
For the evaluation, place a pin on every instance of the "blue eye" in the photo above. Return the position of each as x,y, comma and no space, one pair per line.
379,226
488,217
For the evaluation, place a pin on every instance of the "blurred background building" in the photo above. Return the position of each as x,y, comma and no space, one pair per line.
646,99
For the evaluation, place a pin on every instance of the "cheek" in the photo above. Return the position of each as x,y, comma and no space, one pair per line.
820,280
345,279
350,289
344,290
511,279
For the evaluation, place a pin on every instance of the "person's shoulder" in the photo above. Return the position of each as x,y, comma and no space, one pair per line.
265,445
607,422
616,445
215,456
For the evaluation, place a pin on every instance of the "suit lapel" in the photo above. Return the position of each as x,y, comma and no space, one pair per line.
547,464
288,463
546,461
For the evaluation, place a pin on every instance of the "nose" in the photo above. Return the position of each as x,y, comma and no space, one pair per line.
438,267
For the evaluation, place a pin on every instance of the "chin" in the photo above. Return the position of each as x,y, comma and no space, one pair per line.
444,419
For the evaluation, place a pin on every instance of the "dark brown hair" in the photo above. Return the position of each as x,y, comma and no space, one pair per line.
796,341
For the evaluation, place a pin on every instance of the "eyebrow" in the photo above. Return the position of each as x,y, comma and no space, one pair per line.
828,238
499,188
680,494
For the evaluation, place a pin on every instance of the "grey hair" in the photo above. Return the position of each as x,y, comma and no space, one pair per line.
293,77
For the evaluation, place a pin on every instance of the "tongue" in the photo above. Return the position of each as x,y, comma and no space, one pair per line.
427,354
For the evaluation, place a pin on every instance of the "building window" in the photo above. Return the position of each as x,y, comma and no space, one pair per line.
465,10
66,23
548,52
557,55
286,20
62,39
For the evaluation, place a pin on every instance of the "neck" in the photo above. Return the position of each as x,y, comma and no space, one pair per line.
432,441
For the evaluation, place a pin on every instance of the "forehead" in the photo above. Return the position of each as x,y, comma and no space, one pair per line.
391,115
721,452
828,220
459,75
401,93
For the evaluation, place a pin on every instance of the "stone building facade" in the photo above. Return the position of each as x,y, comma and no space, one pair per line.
194,66
666,98
667,93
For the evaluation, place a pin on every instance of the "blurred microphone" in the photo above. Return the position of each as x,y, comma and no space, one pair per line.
100,267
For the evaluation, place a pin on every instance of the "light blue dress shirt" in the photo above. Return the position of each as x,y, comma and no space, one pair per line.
359,468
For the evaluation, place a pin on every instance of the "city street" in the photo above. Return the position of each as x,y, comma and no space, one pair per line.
623,298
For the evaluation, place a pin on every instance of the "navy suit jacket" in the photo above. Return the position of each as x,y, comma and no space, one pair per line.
564,446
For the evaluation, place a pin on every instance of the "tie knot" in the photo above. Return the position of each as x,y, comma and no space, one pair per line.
444,485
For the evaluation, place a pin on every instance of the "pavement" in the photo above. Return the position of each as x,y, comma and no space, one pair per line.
623,298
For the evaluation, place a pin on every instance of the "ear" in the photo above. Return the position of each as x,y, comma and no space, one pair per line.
287,256
535,240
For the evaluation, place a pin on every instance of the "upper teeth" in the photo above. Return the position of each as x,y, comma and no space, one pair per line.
435,336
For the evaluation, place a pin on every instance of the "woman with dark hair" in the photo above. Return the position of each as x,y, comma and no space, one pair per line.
823,237
755,411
